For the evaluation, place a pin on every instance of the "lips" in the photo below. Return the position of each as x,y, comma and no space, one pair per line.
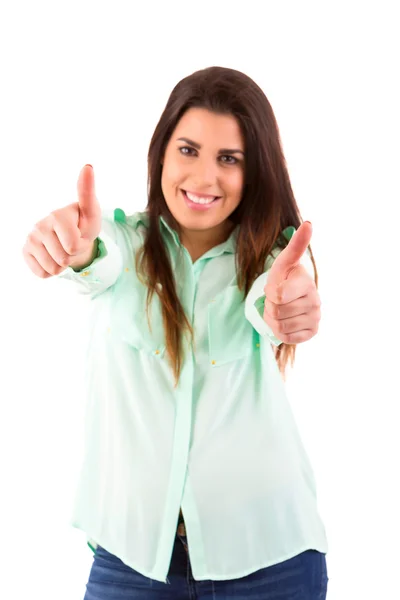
200,206
205,196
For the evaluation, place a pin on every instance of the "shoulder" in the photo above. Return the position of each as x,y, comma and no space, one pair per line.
119,216
125,228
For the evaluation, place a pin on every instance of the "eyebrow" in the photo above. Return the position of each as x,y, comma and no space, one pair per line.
221,151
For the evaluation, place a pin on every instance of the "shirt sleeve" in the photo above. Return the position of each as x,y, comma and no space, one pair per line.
254,303
105,269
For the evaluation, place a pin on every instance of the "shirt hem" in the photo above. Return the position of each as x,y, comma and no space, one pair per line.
93,542
323,548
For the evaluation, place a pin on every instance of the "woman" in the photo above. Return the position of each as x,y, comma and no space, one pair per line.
198,304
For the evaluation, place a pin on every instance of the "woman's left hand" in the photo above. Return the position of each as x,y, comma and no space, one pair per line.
292,303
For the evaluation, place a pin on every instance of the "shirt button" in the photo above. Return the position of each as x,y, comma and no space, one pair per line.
258,345
127,269
157,352
213,362
85,273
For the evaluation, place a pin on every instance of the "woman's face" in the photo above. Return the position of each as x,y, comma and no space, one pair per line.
203,170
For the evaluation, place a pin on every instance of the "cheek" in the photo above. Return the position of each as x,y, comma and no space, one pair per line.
235,185
173,173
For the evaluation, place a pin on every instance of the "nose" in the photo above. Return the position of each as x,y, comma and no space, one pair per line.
205,173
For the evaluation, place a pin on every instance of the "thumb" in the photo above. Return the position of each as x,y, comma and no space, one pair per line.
89,207
290,256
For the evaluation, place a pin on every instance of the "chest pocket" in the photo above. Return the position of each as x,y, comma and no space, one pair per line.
230,335
128,316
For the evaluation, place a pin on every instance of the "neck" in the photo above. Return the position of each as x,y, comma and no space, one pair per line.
199,242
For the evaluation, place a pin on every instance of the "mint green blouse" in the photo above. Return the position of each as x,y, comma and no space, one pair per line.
223,445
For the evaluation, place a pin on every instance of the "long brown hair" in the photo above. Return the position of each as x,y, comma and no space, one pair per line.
267,206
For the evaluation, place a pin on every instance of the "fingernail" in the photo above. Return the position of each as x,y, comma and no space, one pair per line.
89,166
308,222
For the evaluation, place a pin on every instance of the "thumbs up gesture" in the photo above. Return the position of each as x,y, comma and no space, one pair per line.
292,303
67,236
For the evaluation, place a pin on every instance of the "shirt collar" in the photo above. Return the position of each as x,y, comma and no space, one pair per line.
229,246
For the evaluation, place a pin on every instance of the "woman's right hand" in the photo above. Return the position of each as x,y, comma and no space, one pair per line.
67,236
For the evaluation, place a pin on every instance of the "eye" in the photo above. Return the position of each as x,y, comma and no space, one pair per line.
233,160
186,148
187,151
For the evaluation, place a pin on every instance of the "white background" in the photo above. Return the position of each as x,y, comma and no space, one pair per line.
87,82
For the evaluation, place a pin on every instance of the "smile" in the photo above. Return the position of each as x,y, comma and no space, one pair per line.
199,202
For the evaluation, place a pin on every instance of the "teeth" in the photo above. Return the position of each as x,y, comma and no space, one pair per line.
199,199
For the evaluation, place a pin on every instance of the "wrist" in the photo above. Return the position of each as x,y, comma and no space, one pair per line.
84,260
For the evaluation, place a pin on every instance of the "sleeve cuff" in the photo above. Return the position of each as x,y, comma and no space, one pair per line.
254,309
104,269
254,304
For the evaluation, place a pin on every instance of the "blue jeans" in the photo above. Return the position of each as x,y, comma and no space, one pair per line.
303,577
